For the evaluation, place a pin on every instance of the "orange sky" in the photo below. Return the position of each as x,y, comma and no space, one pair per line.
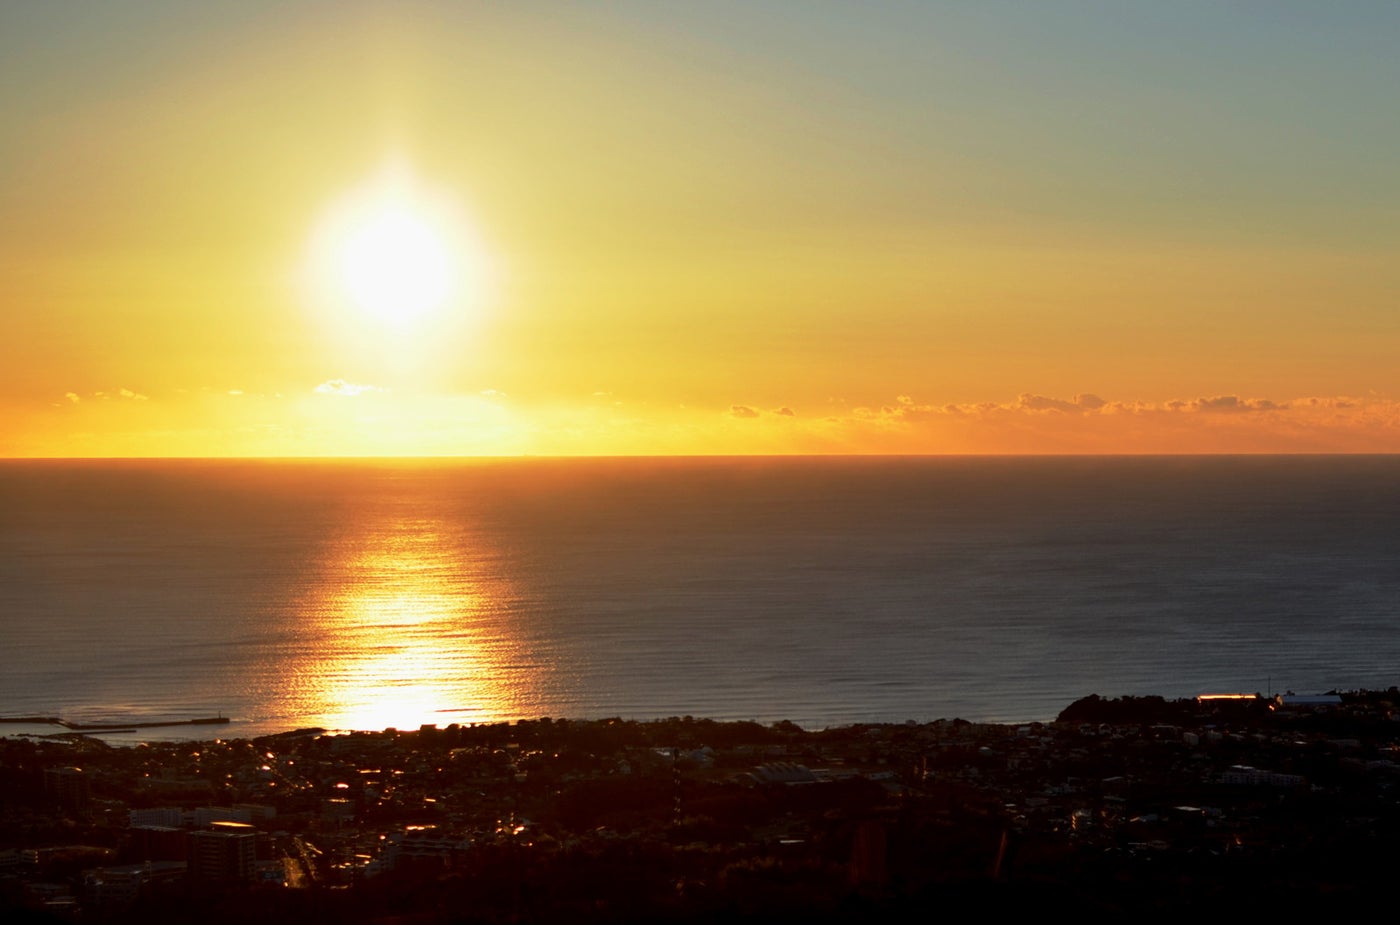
710,228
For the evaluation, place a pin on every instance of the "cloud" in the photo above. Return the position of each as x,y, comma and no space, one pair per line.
1025,423
345,389
1089,405
1223,404
492,393
124,394
1028,402
749,412
1323,403
1088,423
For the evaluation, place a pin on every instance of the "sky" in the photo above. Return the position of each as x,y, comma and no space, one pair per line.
430,228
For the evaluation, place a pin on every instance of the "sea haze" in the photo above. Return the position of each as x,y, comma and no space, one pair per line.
822,590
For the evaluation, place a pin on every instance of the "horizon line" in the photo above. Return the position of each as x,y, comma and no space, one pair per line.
406,457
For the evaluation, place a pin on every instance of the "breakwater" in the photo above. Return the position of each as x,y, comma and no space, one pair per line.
114,726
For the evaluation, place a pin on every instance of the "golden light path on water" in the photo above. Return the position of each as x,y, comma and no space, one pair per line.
406,635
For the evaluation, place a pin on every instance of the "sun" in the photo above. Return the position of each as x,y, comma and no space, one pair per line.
393,265
393,254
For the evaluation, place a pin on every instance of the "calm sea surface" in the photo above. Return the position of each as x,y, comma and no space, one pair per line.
825,591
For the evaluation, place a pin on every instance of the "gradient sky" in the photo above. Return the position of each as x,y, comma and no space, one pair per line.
712,227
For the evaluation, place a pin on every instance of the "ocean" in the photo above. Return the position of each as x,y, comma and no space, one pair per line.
826,591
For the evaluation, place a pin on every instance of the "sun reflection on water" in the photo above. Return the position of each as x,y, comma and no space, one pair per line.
409,634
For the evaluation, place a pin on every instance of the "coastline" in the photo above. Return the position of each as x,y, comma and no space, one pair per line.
1088,708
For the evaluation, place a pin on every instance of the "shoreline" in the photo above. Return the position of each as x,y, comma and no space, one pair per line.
1092,707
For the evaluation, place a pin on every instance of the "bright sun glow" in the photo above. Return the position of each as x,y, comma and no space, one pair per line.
393,264
393,253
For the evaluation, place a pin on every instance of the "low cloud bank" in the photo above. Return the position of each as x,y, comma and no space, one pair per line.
1088,423
345,389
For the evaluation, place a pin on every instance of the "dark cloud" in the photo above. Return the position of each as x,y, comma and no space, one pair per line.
1225,404
1028,402
743,411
